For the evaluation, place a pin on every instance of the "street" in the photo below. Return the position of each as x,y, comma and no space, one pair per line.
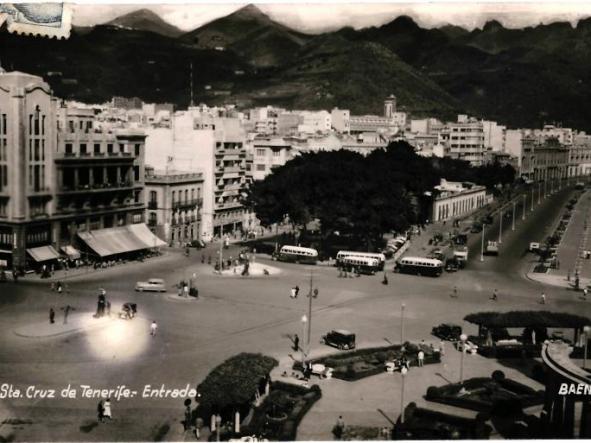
233,314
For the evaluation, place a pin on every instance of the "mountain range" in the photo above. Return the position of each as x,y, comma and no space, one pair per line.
519,77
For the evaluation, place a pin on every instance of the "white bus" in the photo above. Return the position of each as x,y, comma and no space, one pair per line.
341,255
297,254
419,266
363,265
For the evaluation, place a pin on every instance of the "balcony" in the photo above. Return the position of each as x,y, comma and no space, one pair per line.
88,156
187,203
40,193
97,188
152,205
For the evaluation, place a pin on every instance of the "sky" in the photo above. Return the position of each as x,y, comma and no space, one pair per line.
330,15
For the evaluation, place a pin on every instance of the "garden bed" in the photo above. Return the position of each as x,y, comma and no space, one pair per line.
426,424
483,394
279,416
361,363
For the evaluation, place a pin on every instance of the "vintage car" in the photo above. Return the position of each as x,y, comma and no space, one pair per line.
339,338
447,331
153,284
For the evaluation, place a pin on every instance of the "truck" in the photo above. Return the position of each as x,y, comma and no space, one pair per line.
492,248
461,256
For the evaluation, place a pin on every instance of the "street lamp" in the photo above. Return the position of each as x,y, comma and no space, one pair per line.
524,204
513,220
501,226
304,324
539,191
312,293
587,331
482,243
463,339
402,307
403,371
532,199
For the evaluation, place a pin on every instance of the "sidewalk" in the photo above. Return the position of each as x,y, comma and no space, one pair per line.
76,323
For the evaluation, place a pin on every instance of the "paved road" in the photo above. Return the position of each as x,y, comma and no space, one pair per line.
233,315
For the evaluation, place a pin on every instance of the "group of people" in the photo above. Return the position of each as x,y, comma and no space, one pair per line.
67,309
104,410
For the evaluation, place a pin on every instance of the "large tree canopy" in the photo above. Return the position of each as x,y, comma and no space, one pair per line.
363,196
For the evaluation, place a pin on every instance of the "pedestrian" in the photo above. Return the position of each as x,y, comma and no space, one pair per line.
297,291
385,280
186,290
188,416
454,293
59,287
585,292
421,357
296,342
494,295
100,409
107,409
153,328
543,299
293,293
108,308
202,258
441,348
51,316
198,426
339,428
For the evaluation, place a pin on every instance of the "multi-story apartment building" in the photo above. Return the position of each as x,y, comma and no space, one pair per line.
269,153
174,201
579,156
60,176
216,147
544,160
464,140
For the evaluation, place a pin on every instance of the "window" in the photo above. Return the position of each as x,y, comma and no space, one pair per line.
110,148
97,148
121,147
276,153
137,149
186,195
153,196
37,156
261,152
173,196
260,167
71,126
136,173
69,148
83,148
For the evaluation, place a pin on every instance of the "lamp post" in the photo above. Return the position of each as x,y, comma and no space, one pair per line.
312,293
221,247
513,220
539,191
501,226
532,199
524,204
402,307
304,324
482,243
403,371
587,331
463,339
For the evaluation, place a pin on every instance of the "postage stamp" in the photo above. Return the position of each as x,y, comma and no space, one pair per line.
39,19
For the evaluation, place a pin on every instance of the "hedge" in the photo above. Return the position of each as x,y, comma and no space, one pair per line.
518,319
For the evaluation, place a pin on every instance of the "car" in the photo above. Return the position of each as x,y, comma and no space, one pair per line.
451,265
447,331
153,284
492,248
534,247
340,338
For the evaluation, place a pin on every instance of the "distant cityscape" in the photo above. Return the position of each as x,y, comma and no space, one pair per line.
68,168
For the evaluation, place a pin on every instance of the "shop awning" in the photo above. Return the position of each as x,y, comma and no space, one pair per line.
111,241
43,253
71,252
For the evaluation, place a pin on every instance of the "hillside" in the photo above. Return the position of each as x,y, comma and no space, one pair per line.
146,20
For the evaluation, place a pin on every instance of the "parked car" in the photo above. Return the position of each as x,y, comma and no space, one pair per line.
534,247
339,338
153,284
447,331
467,346
492,248
451,265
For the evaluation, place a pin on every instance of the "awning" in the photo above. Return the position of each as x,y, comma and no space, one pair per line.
43,253
71,252
111,241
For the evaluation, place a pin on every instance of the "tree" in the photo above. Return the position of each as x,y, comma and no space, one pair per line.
234,383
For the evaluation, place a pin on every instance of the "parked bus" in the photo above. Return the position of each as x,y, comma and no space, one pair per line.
363,265
297,254
419,266
341,255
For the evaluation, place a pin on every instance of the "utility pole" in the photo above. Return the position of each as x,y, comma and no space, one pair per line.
501,226
313,293
524,204
513,221
539,191
402,323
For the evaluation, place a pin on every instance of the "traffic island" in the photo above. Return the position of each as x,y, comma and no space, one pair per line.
75,323
253,270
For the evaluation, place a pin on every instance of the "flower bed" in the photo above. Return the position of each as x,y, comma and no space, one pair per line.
361,363
278,418
482,394
425,424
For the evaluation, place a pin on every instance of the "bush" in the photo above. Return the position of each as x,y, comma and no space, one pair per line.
433,392
381,357
498,376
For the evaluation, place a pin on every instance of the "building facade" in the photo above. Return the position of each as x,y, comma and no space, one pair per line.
544,160
174,201
454,199
269,153
464,140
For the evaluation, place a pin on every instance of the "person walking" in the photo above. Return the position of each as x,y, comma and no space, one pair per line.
339,428
585,292
421,358
454,293
494,295
51,316
100,409
108,303
441,348
543,298
67,310
59,287
297,291
293,293
296,342
107,409
153,328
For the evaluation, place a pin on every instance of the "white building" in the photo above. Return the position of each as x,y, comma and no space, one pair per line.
269,153
455,199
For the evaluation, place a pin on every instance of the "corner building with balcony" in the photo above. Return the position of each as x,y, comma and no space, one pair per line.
59,176
174,203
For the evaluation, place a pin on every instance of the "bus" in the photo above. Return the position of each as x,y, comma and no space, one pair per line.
297,254
419,266
341,255
363,265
